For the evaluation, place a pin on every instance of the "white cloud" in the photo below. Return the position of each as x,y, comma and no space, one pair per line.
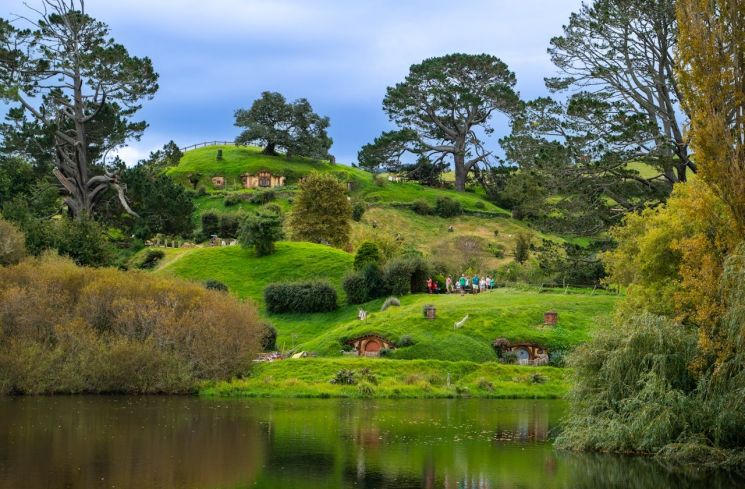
133,153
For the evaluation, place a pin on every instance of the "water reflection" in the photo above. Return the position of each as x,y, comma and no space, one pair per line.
158,443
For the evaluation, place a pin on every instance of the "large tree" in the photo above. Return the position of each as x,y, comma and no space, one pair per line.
277,124
621,53
444,109
613,141
712,69
67,78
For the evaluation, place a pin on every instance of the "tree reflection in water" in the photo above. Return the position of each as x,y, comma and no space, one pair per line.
159,443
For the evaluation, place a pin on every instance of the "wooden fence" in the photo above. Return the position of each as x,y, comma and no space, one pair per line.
208,143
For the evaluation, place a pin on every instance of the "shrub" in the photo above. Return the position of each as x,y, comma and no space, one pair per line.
263,197
275,208
367,375
522,248
306,297
201,191
216,285
485,384
422,208
480,205
397,277
69,329
365,389
367,253
405,340
406,275
356,288
151,259
12,244
447,207
557,358
497,249
358,210
269,338
344,376
390,302
261,231
229,226
82,240
373,275
536,378
509,357
210,224
231,200
385,352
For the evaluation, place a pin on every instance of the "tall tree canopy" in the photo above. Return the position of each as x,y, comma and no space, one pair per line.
620,108
444,109
712,70
321,212
68,79
277,124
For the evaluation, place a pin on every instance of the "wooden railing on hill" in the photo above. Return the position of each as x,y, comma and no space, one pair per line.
207,143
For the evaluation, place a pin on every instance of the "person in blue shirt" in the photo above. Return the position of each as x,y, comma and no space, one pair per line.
475,284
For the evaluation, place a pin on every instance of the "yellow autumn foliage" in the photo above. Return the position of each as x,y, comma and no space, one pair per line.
671,258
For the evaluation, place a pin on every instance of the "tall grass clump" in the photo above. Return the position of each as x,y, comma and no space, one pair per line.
390,302
71,329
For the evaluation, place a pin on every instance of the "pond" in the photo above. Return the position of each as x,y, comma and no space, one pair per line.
183,442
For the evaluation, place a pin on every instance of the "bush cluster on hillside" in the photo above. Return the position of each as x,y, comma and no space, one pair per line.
222,225
300,298
261,231
70,329
401,276
447,207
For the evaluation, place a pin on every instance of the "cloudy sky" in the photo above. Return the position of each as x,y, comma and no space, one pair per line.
214,56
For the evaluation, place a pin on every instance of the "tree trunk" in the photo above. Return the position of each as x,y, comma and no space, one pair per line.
270,149
460,172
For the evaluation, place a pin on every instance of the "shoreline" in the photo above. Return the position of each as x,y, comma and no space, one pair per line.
393,379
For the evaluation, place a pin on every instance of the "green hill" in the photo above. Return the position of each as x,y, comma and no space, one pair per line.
516,315
238,160
247,275
476,238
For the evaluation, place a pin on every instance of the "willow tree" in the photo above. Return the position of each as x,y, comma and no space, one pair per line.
63,74
712,73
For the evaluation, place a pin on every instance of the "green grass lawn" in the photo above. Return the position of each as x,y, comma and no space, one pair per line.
310,377
246,275
504,313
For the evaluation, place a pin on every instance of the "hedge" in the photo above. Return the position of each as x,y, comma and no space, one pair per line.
307,297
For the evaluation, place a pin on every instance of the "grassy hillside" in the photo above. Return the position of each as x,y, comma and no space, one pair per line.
504,313
247,275
309,377
238,160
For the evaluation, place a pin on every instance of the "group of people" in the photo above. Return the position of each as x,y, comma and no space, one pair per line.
474,285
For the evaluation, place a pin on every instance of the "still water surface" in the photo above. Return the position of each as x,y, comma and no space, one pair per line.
181,442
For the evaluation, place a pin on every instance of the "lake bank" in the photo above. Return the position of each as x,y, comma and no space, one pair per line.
384,378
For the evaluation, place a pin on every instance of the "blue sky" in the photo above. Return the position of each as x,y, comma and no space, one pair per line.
215,56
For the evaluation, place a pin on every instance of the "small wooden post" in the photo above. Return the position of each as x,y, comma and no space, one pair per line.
430,312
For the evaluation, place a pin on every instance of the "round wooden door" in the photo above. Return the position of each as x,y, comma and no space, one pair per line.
372,346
